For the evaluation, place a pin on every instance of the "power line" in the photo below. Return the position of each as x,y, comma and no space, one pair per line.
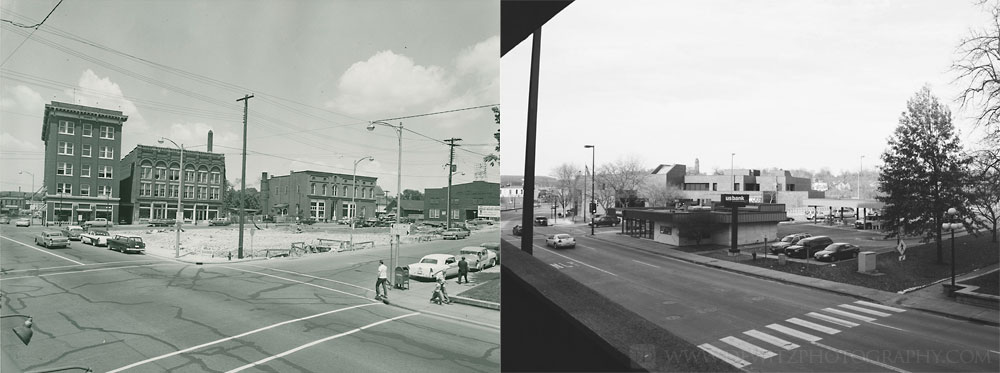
33,29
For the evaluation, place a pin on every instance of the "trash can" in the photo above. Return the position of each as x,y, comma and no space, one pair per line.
402,278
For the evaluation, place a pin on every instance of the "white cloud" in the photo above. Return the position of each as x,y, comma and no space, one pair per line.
11,143
103,93
482,59
388,83
25,100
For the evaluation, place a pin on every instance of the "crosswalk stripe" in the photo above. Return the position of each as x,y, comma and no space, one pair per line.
794,333
725,356
833,319
812,325
848,314
557,265
771,339
876,305
865,310
748,347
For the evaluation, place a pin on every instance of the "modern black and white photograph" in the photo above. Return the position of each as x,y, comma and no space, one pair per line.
260,186
788,186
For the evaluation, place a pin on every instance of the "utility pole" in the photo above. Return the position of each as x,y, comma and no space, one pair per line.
243,177
451,171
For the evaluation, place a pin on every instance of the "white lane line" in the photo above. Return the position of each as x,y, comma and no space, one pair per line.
725,356
300,282
556,265
862,358
576,260
44,251
887,326
771,339
865,310
876,305
73,266
813,326
189,349
310,276
316,342
75,272
794,333
849,314
832,319
651,265
748,347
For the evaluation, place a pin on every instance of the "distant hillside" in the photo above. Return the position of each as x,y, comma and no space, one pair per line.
540,181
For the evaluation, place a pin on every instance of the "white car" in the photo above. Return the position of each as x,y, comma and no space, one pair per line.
479,258
560,240
95,237
431,264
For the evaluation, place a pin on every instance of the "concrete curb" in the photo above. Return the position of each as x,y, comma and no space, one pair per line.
475,302
456,318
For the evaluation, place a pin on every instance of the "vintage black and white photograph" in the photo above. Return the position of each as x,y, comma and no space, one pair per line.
259,186
789,186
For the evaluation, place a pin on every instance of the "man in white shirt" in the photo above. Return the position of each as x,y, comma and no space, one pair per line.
383,278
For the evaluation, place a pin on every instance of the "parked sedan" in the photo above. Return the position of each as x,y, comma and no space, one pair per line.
479,258
23,222
560,240
220,222
454,233
837,251
605,221
72,232
51,239
4,220
96,237
789,240
431,264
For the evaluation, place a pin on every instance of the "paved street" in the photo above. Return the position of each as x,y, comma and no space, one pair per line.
114,312
760,324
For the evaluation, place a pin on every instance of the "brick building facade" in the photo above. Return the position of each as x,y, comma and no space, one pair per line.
150,181
323,196
465,201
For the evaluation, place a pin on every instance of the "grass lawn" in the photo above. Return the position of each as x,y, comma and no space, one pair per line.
988,283
920,267
487,287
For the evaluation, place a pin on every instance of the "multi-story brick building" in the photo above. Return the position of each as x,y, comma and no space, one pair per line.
465,201
323,196
150,182
82,146
12,203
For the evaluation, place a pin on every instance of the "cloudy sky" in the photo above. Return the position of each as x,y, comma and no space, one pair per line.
788,84
319,70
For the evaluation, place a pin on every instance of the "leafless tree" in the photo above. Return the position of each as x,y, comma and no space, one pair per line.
567,176
984,191
658,193
624,175
977,68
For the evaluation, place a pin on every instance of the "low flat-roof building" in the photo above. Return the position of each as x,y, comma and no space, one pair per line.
681,227
466,199
324,196
767,187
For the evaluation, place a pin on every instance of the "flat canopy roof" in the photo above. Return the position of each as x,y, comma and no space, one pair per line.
836,203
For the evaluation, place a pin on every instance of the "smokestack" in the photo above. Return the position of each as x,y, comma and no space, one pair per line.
697,170
209,141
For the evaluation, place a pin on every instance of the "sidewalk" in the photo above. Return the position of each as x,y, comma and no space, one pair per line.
417,299
929,299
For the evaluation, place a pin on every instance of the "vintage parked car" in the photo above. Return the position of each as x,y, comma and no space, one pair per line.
837,251
431,264
23,222
99,222
4,220
789,240
493,246
127,243
454,233
606,220
95,237
72,232
560,240
808,246
162,223
517,230
479,258
219,222
51,239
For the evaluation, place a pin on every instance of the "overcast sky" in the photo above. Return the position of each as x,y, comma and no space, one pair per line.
319,70
788,84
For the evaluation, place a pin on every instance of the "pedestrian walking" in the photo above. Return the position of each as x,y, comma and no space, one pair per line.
441,285
463,271
383,278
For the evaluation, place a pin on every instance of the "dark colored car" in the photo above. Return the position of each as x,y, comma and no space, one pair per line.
837,251
605,221
789,240
219,222
541,221
517,230
808,247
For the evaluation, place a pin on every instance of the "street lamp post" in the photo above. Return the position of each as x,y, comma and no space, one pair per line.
31,204
354,194
952,226
593,178
180,203
732,172
861,168
394,255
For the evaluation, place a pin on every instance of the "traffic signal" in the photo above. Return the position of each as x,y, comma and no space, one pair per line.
593,208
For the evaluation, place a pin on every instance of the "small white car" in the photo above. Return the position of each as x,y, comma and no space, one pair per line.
560,240
22,223
51,239
95,237
479,258
431,264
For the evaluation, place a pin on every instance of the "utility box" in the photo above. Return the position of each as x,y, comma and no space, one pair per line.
866,262
782,259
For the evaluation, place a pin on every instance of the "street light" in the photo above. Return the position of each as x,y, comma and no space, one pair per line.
32,204
593,201
394,255
23,332
952,226
180,190
732,172
861,168
354,193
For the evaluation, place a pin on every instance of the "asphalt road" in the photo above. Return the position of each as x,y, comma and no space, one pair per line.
721,311
112,311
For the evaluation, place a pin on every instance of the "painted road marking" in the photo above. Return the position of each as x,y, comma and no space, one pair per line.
189,349
812,325
848,314
862,358
865,310
832,319
556,265
876,305
794,333
748,347
725,356
588,265
75,272
771,339
44,251
316,342
651,265
310,276
74,266
301,282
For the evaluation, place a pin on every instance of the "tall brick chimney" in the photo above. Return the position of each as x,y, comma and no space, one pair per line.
209,141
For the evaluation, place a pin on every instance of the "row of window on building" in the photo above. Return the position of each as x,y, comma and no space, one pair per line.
86,150
69,128
67,188
317,210
440,213
164,190
736,186
147,172
321,190
103,172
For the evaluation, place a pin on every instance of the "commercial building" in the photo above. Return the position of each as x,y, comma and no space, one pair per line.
681,227
412,209
12,203
150,182
323,196
82,146
465,201
768,187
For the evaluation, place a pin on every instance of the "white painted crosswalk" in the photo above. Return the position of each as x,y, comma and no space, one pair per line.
828,321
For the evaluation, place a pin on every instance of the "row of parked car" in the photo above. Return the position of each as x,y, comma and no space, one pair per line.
126,243
478,257
822,248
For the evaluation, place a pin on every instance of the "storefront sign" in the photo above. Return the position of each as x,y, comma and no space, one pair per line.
489,211
730,200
